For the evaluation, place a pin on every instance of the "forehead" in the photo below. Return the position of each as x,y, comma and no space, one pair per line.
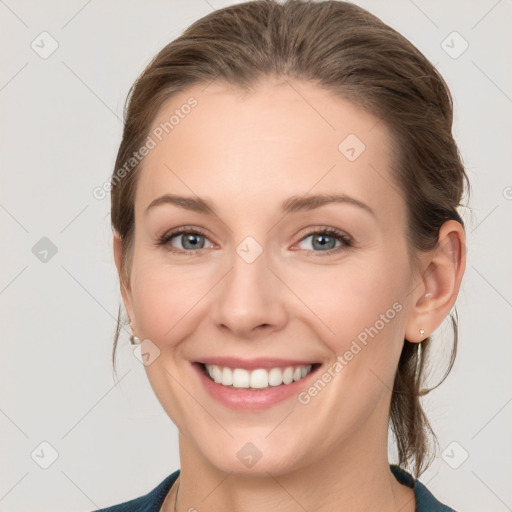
283,138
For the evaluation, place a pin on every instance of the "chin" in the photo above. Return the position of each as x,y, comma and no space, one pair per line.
254,458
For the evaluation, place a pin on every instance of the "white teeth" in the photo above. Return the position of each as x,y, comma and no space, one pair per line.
275,377
256,379
288,375
240,378
227,376
259,379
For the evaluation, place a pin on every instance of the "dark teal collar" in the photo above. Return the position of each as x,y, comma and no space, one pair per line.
425,501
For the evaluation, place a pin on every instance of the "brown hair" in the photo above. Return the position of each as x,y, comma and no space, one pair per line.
345,49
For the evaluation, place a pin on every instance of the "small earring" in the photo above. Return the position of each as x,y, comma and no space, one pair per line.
422,332
134,340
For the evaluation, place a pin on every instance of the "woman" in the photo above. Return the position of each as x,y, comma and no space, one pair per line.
287,240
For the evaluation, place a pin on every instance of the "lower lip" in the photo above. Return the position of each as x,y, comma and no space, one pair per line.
243,398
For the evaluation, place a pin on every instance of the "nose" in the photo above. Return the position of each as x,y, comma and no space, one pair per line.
250,302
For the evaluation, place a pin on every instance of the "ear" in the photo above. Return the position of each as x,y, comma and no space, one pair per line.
126,291
440,281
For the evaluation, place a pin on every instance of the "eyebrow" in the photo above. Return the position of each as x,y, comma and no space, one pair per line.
291,205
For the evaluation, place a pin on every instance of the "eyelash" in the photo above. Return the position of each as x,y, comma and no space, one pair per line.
331,232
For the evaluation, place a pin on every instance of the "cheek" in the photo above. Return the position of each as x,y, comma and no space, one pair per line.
363,308
360,306
352,297
166,298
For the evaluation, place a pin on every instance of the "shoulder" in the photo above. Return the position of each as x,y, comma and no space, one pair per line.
150,502
425,500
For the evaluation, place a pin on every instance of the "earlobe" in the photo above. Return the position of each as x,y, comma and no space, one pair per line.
440,283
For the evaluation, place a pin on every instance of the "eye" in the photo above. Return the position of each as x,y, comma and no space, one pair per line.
189,240
325,239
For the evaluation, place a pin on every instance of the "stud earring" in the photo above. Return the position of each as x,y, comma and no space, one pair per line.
134,340
422,332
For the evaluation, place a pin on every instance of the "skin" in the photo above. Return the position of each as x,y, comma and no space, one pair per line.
247,153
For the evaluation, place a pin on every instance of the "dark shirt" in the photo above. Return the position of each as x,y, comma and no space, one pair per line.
153,500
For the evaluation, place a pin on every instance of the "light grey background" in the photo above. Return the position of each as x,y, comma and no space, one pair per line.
60,130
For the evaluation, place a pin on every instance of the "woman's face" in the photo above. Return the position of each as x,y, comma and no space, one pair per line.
266,286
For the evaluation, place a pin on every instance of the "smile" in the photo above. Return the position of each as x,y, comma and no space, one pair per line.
259,378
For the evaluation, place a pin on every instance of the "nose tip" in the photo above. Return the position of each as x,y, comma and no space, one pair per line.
249,301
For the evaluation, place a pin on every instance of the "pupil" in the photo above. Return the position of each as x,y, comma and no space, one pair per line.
192,239
323,242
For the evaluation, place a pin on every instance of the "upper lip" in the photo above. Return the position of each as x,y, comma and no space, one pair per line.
253,364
